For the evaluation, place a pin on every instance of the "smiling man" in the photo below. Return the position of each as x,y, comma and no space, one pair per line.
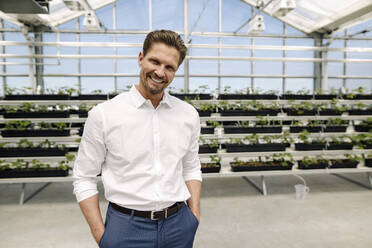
145,145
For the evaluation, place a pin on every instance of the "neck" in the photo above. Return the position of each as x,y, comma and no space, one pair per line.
154,98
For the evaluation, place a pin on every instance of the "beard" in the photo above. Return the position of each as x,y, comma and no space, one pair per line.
152,89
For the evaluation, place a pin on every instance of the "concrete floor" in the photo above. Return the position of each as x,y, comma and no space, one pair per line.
335,214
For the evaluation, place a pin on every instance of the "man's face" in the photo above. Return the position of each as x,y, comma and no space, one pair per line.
158,67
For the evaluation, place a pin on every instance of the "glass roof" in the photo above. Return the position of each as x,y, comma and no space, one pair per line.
323,16
309,16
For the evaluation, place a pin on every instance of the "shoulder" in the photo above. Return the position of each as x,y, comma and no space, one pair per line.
118,102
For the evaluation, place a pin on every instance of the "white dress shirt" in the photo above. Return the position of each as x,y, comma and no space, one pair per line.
145,154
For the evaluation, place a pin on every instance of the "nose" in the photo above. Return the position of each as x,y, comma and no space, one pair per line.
160,72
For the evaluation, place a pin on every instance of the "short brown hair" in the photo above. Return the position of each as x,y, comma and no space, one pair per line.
167,37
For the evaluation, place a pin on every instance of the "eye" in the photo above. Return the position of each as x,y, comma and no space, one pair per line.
154,61
170,68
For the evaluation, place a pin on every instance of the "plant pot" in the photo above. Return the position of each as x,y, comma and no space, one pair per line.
91,97
362,128
298,112
247,97
31,172
344,163
260,166
210,167
309,147
38,114
31,152
233,130
83,113
321,165
207,149
36,97
193,96
358,97
329,112
298,129
324,97
207,130
368,162
255,147
239,112
296,97
204,113
335,129
35,133
360,112
340,146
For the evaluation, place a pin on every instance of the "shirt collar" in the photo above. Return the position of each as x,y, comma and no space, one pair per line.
139,100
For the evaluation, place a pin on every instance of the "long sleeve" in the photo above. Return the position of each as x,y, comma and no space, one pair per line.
91,155
191,162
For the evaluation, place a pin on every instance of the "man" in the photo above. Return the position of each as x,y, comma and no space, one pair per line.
145,145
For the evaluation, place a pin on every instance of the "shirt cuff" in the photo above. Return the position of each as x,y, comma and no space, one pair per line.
85,194
194,176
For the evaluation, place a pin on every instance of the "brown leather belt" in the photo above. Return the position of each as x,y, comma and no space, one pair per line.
153,215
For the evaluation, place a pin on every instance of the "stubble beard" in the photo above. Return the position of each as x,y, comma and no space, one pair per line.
146,85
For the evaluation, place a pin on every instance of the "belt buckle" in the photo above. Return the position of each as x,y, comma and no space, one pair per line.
152,216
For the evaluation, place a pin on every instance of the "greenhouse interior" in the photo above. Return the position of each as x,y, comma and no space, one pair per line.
283,89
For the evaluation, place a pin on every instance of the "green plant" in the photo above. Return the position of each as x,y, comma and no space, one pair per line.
238,162
319,159
214,123
207,107
252,139
337,122
304,136
282,158
236,141
60,125
18,125
66,163
215,159
24,143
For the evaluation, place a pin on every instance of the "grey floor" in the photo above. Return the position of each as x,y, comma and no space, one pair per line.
335,214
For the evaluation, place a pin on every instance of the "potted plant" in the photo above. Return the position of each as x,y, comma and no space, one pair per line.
368,160
339,143
206,109
30,110
317,162
24,94
208,146
309,144
334,125
364,126
302,94
303,108
313,126
211,125
360,109
214,166
350,161
254,145
26,148
320,96
283,161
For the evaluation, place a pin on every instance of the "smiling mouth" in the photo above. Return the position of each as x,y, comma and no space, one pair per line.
156,80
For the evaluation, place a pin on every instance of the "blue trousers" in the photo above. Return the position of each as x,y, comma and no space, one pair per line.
129,231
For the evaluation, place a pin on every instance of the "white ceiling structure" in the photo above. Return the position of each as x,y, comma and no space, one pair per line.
322,16
309,16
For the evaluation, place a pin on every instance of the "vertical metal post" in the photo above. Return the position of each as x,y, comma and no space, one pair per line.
79,52
39,67
284,65
318,40
31,71
219,44
22,196
2,35
115,48
186,37
345,57
150,15
252,55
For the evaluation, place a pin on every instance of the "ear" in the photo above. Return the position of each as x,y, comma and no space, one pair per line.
140,58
